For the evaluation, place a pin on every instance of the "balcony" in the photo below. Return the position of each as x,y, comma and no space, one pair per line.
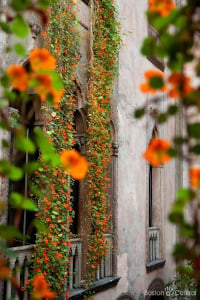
154,258
20,265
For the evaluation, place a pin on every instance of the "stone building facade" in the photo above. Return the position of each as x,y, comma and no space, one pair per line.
141,196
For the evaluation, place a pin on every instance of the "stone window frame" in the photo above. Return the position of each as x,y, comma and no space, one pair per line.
158,262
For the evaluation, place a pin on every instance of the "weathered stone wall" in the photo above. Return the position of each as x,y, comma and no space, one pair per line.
131,212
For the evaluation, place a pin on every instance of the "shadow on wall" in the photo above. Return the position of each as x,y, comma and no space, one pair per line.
125,296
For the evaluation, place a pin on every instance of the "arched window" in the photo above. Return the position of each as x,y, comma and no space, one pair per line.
78,187
152,181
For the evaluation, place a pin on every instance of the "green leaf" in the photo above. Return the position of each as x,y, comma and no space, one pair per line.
57,82
48,153
195,149
180,251
179,140
172,109
161,23
20,5
139,113
194,130
176,217
8,232
18,201
43,4
9,170
7,250
162,117
40,226
147,46
185,194
156,82
20,50
31,167
20,27
24,144
5,27
187,231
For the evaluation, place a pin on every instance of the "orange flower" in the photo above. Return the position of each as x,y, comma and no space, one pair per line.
4,271
157,152
180,85
18,77
149,75
74,163
41,59
41,288
162,7
45,88
194,175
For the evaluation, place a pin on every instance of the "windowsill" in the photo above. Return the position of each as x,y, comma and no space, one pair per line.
155,264
97,286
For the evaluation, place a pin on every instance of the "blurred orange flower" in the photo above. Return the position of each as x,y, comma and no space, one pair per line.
18,77
149,75
75,164
41,59
194,175
45,87
157,152
4,271
41,288
162,7
180,85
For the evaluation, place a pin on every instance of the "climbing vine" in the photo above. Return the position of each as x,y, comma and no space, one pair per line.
104,48
52,257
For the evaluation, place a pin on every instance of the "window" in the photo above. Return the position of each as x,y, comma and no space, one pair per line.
29,116
154,214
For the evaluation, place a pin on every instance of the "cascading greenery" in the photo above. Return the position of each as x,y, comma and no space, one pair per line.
55,212
52,256
105,42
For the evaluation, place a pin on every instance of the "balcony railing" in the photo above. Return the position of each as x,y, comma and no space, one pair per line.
104,269
20,266
154,241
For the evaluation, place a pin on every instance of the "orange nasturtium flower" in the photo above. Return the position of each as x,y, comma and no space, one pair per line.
162,7
41,59
150,75
75,164
180,85
41,289
157,152
44,87
194,175
4,271
18,77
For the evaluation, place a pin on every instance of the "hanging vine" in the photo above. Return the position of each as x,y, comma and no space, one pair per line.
104,49
52,257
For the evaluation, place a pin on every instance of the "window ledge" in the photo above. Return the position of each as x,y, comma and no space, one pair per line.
97,286
155,264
